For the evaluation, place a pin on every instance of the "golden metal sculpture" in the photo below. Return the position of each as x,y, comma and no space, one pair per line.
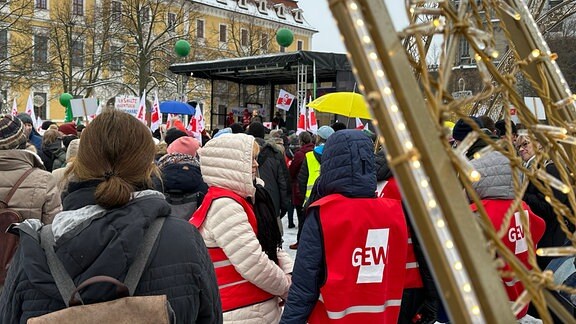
409,107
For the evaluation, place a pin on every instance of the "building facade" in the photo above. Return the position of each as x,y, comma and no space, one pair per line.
110,48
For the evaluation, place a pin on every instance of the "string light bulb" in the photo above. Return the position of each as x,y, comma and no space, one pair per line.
559,251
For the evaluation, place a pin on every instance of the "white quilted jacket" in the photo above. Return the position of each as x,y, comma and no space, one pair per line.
226,162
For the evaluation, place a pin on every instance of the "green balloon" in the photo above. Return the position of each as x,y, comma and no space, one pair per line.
284,37
65,99
182,48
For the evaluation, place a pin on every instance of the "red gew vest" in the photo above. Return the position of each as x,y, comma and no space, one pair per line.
514,239
235,291
365,245
413,277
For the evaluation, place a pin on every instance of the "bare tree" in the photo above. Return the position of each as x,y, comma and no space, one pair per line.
80,43
15,41
150,29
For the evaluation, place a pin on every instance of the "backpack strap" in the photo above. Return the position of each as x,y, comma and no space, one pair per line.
64,282
61,277
137,268
16,186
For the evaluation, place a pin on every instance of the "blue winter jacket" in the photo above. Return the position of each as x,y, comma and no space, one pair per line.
347,168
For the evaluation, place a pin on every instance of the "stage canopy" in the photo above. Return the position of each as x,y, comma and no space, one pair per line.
279,68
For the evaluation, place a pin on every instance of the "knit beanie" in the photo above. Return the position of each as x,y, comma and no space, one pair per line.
185,145
46,124
12,134
256,129
25,118
172,134
68,129
237,128
462,128
325,132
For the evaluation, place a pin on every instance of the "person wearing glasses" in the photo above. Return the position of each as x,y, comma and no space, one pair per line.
553,236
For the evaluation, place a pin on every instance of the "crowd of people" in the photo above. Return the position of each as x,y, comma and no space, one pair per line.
219,257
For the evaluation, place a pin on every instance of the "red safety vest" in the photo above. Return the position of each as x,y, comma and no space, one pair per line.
365,245
235,291
413,278
514,239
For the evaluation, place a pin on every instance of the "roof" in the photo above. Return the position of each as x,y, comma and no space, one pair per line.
279,68
270,15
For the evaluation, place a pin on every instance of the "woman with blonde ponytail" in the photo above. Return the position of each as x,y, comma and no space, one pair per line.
107,209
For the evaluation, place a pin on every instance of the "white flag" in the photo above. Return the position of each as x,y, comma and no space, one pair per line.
14,108
284,100
197,125
155,115
141,112
39,122
30,109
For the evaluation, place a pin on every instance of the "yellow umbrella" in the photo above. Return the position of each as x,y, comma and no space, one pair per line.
347,104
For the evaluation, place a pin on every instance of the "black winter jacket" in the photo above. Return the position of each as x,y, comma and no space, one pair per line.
553,235
273,170
90,244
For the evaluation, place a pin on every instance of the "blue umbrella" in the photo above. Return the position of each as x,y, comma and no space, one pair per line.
176,107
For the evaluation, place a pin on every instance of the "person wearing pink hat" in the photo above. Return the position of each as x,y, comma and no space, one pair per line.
182,181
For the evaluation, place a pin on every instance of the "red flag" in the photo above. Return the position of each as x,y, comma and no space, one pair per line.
312,122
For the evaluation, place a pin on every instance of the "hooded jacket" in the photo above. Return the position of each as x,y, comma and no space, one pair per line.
38,196
226,162
53,156
92,241
347,169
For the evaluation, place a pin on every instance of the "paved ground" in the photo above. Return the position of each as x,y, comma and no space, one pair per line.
289,235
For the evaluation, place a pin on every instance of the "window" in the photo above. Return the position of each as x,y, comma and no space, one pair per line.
115,58
171,21
3,44
242,4
199,28
297,15
264,42
116,11
77,53
41,4
223,34
282,49
300,45
78,7
464,48
280,10
40,49
244,37
145,14
262,7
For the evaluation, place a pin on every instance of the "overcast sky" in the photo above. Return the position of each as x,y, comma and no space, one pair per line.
317,13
